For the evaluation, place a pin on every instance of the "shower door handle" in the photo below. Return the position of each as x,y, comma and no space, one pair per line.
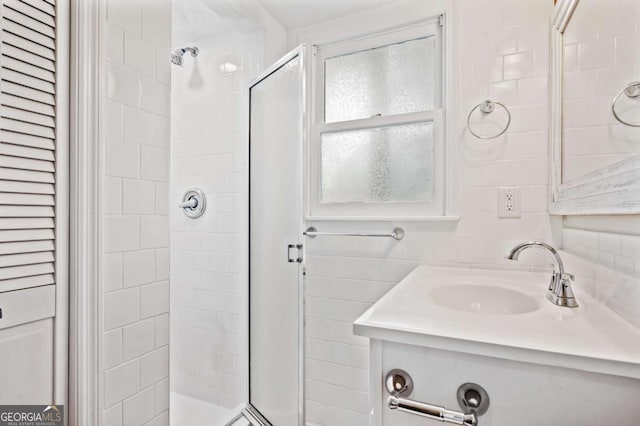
298,258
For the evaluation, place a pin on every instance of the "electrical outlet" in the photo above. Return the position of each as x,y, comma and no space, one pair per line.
509,202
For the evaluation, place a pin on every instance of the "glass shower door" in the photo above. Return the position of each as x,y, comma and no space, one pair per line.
275,220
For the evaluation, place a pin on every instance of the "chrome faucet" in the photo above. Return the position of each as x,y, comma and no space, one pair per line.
560,292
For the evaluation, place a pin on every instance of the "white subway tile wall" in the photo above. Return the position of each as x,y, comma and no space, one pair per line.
616,251
208,151
601,43
614,287
135,132
503,54
601,56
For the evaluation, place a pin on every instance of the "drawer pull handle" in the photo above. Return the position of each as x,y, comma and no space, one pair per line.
433,412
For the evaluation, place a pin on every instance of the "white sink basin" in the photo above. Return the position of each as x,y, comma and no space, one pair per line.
483,299
502,314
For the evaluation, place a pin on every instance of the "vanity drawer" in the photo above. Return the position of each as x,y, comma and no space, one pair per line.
23,306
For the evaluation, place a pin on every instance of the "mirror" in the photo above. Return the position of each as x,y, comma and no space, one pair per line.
595,102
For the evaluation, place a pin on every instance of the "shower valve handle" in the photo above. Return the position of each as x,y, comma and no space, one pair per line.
191,203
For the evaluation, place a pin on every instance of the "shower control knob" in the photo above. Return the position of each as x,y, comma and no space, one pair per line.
193,203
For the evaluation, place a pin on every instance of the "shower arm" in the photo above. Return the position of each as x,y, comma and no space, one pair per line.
193,50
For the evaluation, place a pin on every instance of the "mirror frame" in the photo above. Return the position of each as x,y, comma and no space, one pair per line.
606,191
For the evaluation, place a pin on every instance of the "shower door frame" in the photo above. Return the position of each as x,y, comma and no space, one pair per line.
302,51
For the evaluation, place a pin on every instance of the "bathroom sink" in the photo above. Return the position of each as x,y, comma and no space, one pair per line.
483,299
502,314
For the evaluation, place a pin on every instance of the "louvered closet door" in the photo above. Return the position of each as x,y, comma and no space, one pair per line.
27,143
30,327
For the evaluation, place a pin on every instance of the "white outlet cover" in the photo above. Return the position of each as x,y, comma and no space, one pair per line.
509,202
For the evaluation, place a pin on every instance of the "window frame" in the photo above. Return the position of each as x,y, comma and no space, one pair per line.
443,206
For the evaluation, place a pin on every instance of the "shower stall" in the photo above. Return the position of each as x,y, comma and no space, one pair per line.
236,219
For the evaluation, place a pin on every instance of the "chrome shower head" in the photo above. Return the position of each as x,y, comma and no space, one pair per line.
176,55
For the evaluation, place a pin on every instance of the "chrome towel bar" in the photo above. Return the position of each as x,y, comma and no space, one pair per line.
396,234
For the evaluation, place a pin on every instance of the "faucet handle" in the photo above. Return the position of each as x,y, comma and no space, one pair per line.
569,276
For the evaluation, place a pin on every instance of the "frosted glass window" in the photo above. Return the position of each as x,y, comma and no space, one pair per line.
393,79
387,164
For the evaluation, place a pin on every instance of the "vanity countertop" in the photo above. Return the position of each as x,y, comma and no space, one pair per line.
590,337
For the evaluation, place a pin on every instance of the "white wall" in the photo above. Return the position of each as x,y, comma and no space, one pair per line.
601,57
209,110
134,131
275,36
208,151
610,241
502,54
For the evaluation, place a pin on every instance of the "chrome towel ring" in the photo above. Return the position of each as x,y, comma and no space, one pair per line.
631,90
487,107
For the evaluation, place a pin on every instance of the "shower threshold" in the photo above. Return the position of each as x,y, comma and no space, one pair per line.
248,417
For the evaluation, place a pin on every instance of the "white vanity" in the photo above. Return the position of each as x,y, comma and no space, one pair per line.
540,364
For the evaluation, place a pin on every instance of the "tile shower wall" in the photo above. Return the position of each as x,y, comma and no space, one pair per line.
502,55
136,38
208,151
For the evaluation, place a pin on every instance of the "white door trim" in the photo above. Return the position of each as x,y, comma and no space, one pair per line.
84,298
61,319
